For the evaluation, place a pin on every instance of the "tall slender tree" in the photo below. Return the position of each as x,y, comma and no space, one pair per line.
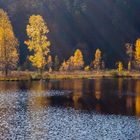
8,44
38,43
130,53
49,63
56,63
97,60
120,66
137,53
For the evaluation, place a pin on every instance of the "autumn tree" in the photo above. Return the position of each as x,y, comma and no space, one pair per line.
78,61
137,53
130,53
120,66
8,44
97,61
64,66
49,63
75,62
38,43
70,63
129,66
87,68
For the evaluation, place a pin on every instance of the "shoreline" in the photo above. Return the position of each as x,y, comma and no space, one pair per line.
34,76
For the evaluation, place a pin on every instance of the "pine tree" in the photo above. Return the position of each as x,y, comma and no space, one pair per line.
38,43
56,63
9,56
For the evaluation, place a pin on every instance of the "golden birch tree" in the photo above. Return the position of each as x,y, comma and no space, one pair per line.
137,53
38,43
49,63
64,66
97,60
78,60
9,56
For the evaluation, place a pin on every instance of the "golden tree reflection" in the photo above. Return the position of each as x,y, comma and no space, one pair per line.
129,99
98,92
37,86
35,102
120,87
12,86
137,100
97,88
77,92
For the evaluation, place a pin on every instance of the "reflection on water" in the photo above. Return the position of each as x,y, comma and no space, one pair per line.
109,96
70,109
137,99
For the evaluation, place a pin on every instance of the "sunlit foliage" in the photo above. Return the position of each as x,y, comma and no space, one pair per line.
8,44
129,66
120,66
75,62
38,43
78,60
137,53
97,60
64,66
87,68
49,63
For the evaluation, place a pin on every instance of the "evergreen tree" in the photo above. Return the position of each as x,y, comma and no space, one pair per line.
56,63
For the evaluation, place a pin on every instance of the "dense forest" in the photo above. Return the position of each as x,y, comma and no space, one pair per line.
79,24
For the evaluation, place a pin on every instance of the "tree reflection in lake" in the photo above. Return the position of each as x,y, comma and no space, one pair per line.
109,96
137,98
70,109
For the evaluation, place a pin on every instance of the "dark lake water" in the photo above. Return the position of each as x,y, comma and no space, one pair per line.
107,109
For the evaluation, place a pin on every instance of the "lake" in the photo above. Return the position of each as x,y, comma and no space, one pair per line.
78,109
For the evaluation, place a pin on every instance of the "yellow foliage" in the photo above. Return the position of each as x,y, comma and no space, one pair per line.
120,66
8,44
49,62
50,69
78,61
97,60
129,66
137,52
87,68
75,62
38,42
64,66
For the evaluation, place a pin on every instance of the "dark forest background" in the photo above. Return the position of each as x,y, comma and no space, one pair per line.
83,24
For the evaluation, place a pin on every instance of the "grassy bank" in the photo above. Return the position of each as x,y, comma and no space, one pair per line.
28,75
